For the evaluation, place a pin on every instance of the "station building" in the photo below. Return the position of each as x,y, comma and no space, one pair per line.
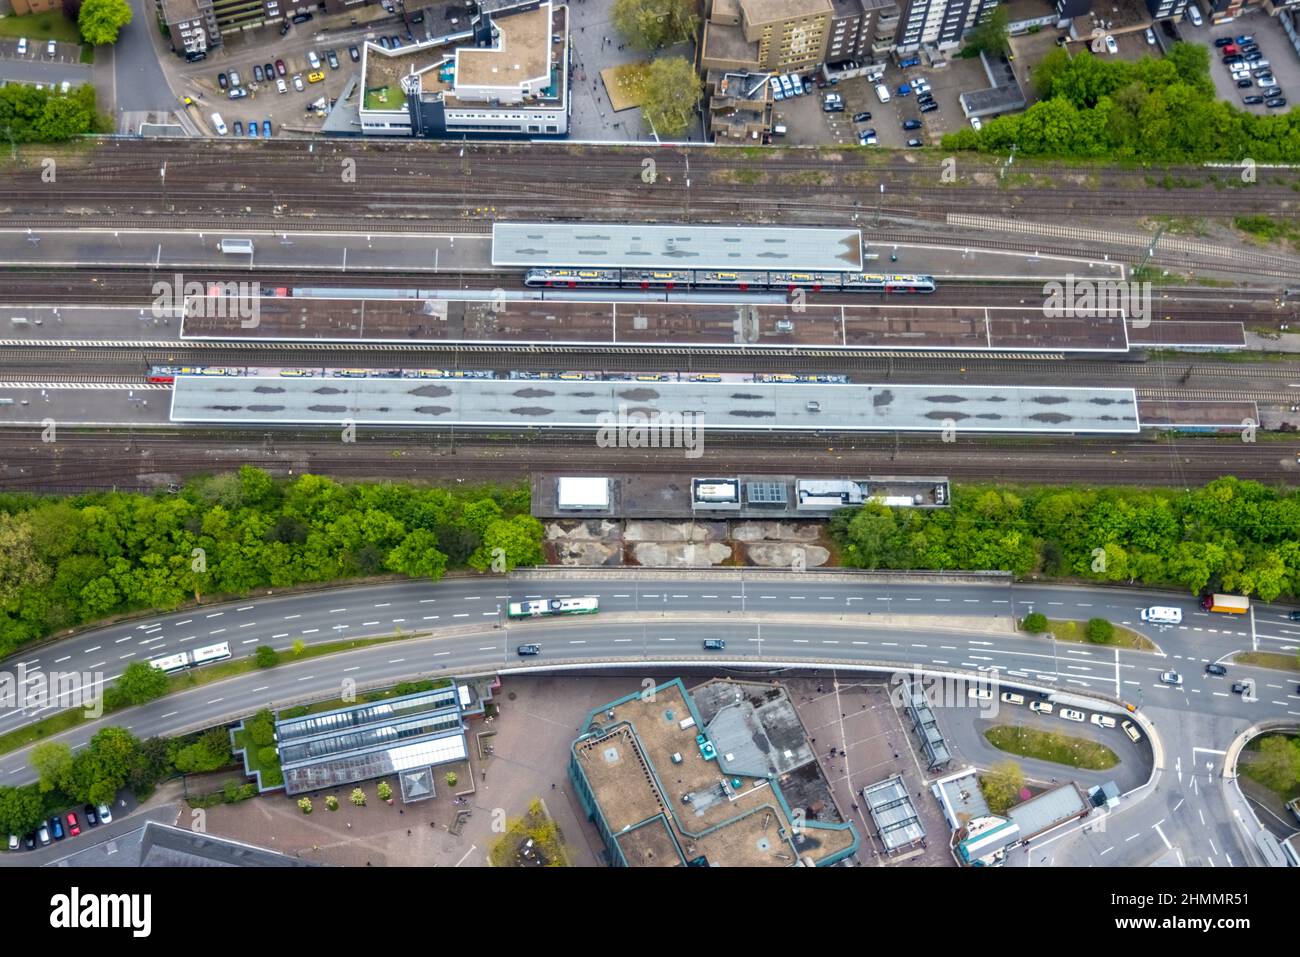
722,775
505,73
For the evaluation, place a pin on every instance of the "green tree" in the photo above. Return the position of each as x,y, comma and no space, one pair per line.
1277,765
358,797
141,682
52,762
101,20
509,543
266,656
451,779
673,91
991,35
304,805
1001,785
1035,623
19,566
21,809
652,24
417,556
331,803
384,790
1100,631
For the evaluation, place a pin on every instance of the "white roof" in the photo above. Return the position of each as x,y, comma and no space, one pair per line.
583,492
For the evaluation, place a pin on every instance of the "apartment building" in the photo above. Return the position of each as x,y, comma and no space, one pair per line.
779,35
196,26
939,23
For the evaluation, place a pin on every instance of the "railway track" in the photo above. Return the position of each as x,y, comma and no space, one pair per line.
148,461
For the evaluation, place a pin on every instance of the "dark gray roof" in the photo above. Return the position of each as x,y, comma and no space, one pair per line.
162,845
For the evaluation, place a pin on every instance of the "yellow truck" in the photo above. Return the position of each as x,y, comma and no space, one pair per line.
1231,604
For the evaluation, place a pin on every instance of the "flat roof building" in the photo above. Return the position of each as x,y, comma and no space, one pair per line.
655,414
365,741
707,778
1049,810
893,815
155,844
678,247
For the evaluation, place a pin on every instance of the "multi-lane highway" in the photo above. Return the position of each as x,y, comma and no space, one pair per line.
802,620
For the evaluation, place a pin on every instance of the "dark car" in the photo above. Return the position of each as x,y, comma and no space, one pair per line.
529,650
1245,38
1254,57
223,81
29,841
1222,41
239,128
383,42
1245,84
269,70
417,17
301,17
715,644
1252,100
1293,616
1275,103
929,107
1240,687
332,58
280,68
194,56
92,818
354,53
861,117
1233,58
1215,669
911,124
1272,91
284,28
56,828
258,75
914,142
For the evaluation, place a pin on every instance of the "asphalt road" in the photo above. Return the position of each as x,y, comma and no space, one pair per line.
800,620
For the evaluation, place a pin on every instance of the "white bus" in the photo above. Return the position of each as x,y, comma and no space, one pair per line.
203,656
553,606
171,663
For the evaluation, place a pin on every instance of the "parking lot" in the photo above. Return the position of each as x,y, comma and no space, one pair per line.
1272,43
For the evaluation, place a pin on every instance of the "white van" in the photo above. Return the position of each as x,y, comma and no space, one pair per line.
1013,698
1103,721
882,93
1134,734
1162,615
219,124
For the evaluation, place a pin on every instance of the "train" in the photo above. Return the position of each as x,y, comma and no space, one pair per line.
715,279
166,375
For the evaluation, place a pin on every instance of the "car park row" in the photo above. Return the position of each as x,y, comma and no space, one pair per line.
60,826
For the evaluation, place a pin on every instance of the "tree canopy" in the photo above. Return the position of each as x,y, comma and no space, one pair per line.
101,20
1161,110
64,561
652,24
673,90
29,115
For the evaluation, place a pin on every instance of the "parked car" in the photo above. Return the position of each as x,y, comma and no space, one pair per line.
284,28
715,644
904,89
105,815
252,129
1252,100
266,128
932,106
13,842
354,53
219,124
73,827
1272,91
975,123
863,117
383,42
1231,50
1171,678
1111,47
237,93
234,78
316,77
1151,37
914,142
313,59
1246,38
1041,707
301,17
297,82
1131,730
22,46
56,828
1214,668
1266,80
332,58
1222,41
1103,721
29,840
280,68
50,48
1069,714
92,818
281,86
43,835
1276,102
417,17
396,42
258,75
223,81
867,138
239,128
911,124
1195,16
